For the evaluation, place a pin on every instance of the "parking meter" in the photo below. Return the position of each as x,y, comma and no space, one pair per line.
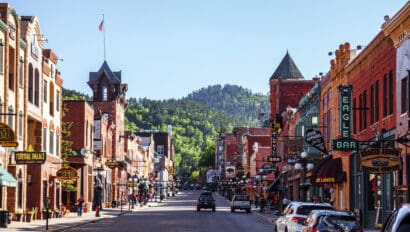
47,202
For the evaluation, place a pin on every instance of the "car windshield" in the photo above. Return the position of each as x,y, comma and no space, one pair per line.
305,209
241,198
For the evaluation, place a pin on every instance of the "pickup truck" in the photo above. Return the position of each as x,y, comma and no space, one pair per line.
241,202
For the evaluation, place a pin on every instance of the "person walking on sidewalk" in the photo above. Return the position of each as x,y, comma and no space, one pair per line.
80,203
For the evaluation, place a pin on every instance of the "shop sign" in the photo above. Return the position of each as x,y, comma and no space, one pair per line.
315,139
345,143
27,157
66,174
325,180
294,145
380,160
111,164
7,137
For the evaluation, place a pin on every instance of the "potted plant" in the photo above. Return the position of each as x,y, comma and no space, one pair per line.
30,215
18,215
57,213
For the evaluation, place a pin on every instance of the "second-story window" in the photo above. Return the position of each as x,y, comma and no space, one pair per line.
391,92
1,56
57,145
20,125
385,110
160,149
21,72
105,93
45,91
10,117
44,139
51,147
58,101
403,95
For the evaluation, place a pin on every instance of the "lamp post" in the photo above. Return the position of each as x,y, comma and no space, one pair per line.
98,188
303,164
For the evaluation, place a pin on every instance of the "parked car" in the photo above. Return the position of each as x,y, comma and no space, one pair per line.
398,220
294,216
331,220
241,202
205,201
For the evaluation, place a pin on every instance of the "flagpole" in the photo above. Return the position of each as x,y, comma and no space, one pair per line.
104,36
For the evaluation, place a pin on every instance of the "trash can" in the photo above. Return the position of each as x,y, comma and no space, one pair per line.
4,218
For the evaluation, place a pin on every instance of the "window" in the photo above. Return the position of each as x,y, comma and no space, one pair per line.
365,111
51,147
391,92
377,101
21,72
30,83
160,149
385,95
20,125
45,91
372,108
10,117
58,101
354,116
37,88
105,93
1,56
361,112
44,140
403,96
57,145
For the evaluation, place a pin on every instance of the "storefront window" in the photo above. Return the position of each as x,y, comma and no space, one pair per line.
375,192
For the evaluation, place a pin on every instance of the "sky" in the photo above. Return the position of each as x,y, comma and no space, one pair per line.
170,48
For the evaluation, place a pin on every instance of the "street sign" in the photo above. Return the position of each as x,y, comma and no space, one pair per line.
274,159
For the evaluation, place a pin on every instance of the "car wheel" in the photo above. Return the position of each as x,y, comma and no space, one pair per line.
248,210
275,229
213,209
198,209
286,229
232,210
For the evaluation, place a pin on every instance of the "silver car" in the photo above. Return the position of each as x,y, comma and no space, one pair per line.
295,214
398,220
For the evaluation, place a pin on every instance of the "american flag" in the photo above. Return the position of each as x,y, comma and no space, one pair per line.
101,27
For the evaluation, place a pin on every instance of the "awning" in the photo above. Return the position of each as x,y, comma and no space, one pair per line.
331,172
6,179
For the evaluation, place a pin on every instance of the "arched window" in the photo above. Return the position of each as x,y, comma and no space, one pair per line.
37,88
105,93
30,83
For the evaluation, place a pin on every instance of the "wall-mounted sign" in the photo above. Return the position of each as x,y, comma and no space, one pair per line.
111,164
380,160
274,159
345,112
66,174
315,139
27,157
230,171
294,145
7,136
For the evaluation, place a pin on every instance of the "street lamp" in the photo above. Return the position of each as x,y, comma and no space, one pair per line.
98,187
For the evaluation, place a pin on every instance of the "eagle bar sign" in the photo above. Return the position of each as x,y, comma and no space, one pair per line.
26,157
345,143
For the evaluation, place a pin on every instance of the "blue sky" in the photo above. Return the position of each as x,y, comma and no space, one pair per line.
169,48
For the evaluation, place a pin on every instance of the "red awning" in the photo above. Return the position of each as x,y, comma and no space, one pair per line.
330,172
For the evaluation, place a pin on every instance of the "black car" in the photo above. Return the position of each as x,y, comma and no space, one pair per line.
398,220
205,201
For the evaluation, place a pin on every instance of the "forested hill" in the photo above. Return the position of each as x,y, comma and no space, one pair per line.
234,100
196,120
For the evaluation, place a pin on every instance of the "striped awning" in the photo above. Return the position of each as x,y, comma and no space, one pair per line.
6,179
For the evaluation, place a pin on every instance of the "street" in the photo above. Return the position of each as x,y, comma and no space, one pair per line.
179,214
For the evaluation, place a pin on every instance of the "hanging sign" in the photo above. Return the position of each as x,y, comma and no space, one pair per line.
7,137
66,174
345,143
29,156
111,164
315,139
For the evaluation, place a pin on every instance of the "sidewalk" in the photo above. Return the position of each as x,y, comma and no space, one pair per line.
69,221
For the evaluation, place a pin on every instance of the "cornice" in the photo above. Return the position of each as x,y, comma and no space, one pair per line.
398,27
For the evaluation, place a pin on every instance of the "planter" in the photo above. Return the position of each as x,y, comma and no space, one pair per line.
29,217
18,217
50,214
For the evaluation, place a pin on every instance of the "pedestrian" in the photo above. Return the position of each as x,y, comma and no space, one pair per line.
285,202
80,203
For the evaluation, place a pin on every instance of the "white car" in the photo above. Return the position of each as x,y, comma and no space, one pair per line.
295,214
241,202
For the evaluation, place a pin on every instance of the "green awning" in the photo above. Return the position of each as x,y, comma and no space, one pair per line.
6,179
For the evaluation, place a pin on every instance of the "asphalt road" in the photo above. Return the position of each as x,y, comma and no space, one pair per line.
179,214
